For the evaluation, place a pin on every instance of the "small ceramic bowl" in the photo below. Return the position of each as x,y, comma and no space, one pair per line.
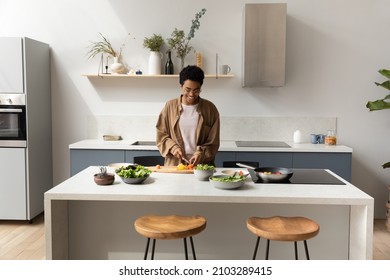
203,175
134,180
225,185
108,179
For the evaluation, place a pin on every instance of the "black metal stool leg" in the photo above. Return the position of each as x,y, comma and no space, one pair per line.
193,247
185,248
153,247
306,250
296,250
267,251
146,249
256,247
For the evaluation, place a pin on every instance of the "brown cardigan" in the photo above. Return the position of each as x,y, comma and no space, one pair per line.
168,136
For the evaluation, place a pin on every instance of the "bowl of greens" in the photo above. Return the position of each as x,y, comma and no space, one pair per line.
228,182
133,174
203,171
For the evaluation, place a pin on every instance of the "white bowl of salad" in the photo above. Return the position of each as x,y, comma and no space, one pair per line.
133,174
203,171
227,182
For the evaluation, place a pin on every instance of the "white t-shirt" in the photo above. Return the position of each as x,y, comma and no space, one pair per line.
188,122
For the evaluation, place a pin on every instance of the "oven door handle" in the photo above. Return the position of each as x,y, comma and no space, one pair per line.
4,110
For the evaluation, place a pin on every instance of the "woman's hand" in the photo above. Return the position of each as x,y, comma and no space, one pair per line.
195,159
178,153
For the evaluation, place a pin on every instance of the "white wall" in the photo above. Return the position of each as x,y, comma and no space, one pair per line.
334,49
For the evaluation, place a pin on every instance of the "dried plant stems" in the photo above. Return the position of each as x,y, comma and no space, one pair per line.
104,46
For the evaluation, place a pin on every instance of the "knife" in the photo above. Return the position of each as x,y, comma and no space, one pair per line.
185,160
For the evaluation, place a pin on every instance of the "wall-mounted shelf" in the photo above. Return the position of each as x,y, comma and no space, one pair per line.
115,76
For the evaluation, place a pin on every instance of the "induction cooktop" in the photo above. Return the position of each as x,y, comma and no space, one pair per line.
305,176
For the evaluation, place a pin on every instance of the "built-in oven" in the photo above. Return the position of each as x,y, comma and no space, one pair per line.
13,120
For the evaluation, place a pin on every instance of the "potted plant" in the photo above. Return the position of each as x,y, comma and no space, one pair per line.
104,178
154,44
104,46
180,42
383,104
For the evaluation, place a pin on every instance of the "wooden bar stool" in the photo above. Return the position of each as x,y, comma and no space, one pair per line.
169,227
283,229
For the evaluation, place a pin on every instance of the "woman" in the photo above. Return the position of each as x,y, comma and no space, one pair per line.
188,126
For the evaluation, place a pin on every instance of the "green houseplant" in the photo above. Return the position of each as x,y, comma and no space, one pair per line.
154,42
180,42
383,104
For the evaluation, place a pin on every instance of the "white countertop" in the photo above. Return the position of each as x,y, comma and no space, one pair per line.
170,187
227,146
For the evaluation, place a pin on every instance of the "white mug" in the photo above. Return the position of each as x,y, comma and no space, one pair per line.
225,69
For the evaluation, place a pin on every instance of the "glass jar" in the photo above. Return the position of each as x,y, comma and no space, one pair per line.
330,138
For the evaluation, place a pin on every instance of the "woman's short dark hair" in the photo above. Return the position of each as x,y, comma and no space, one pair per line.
193,73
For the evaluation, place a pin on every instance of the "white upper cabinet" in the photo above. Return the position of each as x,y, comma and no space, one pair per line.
11,65
264,45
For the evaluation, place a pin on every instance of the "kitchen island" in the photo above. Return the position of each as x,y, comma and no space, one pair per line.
87,221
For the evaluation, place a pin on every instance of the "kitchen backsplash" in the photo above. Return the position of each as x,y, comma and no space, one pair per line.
232,128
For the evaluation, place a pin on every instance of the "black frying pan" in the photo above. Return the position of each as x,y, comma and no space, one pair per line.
270,174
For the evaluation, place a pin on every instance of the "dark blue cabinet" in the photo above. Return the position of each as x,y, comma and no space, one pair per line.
267,159
139,153
81,159
339,163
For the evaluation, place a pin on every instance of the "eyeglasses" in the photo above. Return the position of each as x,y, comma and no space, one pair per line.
194,91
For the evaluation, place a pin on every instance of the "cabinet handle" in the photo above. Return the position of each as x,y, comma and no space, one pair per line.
11,110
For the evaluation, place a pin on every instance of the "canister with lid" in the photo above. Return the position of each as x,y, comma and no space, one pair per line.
330,138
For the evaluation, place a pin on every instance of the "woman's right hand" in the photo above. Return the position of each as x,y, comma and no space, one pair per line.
178,153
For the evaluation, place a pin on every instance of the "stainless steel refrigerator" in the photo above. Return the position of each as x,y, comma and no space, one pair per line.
25,127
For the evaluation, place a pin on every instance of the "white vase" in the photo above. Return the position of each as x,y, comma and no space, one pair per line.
117,67
155,63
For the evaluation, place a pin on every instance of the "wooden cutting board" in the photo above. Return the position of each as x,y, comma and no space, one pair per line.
170,169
